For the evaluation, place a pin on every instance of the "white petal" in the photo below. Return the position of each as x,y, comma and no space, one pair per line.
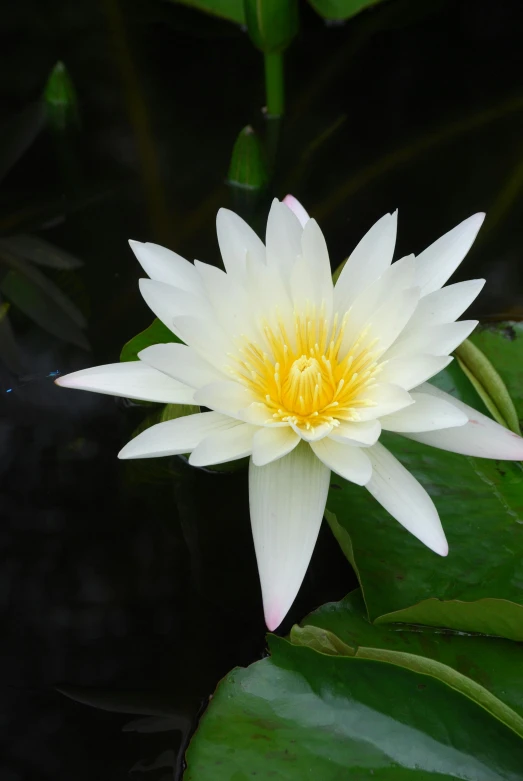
447,304
439,261
224,446
283,237
370,259
182,363
204,336
176,436
236,240
132,380
435,339
481,436
167,302
386,398
386,323
258,414
287,498
296,207
364,433
392,283
313,434
405,499
428,413
229,300
314,250
351,463
229,397
272,443
163,265
412,370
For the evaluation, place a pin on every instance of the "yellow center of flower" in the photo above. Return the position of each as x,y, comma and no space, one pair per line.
308,381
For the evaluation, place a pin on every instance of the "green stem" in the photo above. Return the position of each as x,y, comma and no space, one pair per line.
274,84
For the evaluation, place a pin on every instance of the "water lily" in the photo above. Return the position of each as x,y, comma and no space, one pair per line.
303,376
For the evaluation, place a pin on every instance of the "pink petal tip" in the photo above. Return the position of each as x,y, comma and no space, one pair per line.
296,207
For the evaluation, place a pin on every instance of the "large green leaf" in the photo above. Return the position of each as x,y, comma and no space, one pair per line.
156,333
306,715
341,9
227,9
485,669
478,586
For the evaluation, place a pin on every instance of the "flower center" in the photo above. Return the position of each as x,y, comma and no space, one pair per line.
312,378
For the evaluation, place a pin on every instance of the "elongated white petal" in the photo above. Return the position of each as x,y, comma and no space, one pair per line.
283,238
313,434
351,463
224,446
231,398
370,259
412,370
182,363
481,436
314,250
208,339
258,414
132,380
237,240
364,433
168,302
229,300
405,499
163,265
296,207
435,339
447,304
272,443
428,413
176,436
390,320
439,261
287,498
396,279
385,399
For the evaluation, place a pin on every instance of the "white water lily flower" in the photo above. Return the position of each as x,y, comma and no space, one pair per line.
302,376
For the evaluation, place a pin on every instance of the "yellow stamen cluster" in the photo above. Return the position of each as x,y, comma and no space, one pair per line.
305,381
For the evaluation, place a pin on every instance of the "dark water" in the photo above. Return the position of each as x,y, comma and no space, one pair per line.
135,587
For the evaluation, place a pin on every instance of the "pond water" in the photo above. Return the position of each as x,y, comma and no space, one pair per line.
134,586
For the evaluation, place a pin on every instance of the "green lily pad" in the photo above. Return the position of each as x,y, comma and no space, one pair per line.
481,507
306,715
485,669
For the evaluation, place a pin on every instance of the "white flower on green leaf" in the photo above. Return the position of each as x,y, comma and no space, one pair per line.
303,376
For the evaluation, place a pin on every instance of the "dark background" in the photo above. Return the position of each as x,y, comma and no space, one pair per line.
134,587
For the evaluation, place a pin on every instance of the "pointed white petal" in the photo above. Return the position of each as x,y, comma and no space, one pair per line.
364,433
435,339
224,446
393,282
370,259
228,397
315,252
385,399
481,436
287,498
132,380
405,499
387,322
163,265
313,434
351,463
272,443
283,237
439,261
236,240
296,207
229,300
176,436
182,363
168,302
204,336
258,414
412,370
428,413
447,304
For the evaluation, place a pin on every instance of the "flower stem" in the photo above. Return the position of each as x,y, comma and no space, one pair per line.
274,87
